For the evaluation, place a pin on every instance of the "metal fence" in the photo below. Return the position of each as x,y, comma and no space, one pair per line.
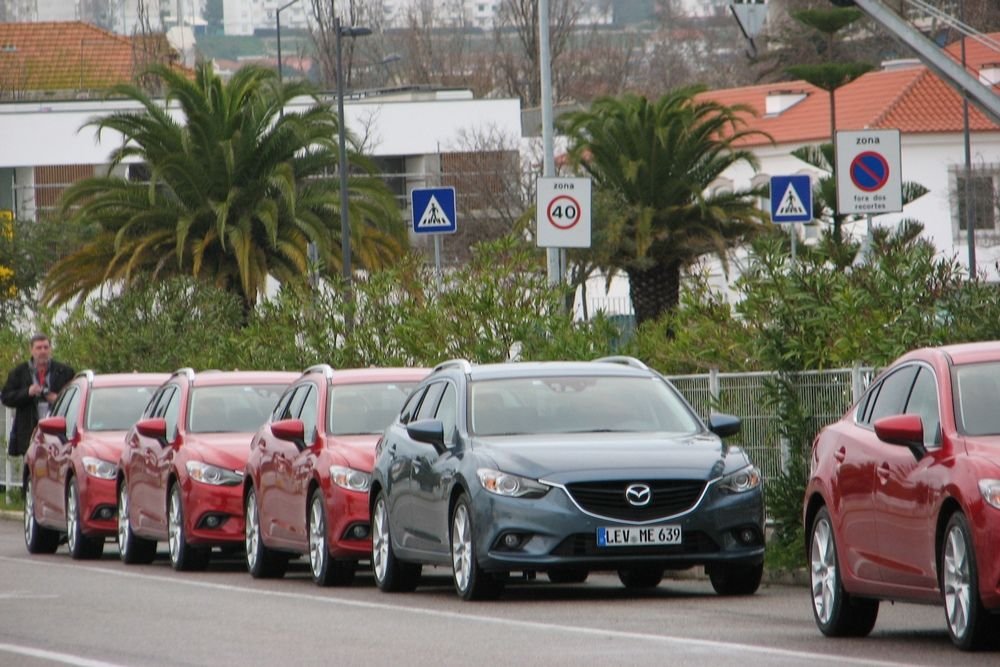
825,395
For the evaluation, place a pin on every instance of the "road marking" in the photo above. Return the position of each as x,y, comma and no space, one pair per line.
464,616
64,658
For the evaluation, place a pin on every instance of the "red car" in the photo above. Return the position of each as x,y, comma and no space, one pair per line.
70,465
903,498
180,477
307,478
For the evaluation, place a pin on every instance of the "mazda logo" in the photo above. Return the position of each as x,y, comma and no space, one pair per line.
638,495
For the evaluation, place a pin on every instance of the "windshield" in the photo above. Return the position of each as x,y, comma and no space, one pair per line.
239,408
977,406
365,408
576,404
116,408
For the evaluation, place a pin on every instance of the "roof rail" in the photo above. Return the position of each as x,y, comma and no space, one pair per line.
325,369
454,363
87,373
623,359
187,371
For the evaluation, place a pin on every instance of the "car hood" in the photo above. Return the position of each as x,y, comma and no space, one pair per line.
985,447
564,458
226,450
355,451
105,445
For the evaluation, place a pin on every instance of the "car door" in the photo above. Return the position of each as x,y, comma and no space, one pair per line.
906,495
303,463
151,467
52,461
394,459
433,472
275,497
859,452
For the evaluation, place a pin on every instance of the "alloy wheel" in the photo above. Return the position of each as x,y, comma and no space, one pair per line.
461,547
957,582
317,537
29,512
174,528
252,531
72,516
380,540
823,571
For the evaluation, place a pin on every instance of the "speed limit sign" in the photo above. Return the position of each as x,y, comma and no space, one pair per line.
563,213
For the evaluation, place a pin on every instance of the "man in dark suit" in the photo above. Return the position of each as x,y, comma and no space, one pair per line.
31,389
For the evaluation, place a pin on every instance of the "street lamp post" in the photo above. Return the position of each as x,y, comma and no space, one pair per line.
345,227
277,24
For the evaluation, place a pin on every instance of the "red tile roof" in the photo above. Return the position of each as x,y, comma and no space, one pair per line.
912,99
65,56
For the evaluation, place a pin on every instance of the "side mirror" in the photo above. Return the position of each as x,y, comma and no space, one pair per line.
724,425
290,430
903,430
430,431
55,426
155,428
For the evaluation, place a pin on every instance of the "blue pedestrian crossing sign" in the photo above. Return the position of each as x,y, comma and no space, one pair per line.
791,198
433,210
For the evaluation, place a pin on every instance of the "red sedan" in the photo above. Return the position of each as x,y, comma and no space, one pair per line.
903,499
181,470
307,478
70,465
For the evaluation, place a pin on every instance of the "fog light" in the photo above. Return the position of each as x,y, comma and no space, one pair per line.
510,540
106,513
748,536
359,532
212,521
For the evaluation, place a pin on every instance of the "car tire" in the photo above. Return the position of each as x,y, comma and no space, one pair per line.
638,578
262,561
81,546
568,575
970,625
471,582
325,570
183,556
132,549
37,538
391,574
837,612
736,579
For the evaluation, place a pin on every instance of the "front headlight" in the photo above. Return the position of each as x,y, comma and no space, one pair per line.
990,488
740,481
99,467
514,486
350,479
214,475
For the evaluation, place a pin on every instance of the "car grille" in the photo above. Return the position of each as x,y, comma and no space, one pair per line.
585,544
607,499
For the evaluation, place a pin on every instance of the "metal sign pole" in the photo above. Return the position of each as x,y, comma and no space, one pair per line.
552,255
437,260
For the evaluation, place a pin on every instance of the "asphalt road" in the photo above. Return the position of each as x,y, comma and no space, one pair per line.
54,610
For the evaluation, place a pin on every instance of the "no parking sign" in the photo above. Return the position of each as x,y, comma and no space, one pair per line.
868,172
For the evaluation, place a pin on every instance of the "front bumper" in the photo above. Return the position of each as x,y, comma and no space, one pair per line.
554,532
214,514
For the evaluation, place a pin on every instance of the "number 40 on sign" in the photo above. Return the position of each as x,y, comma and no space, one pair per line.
562,214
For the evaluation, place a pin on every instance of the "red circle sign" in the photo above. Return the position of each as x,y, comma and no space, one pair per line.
563,212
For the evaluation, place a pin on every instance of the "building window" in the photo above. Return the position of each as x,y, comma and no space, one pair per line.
975,194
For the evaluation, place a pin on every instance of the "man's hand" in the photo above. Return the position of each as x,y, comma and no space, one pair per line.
51,397
35,390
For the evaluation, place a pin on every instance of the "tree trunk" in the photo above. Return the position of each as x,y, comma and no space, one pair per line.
655,290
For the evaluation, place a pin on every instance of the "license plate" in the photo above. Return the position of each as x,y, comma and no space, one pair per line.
638,536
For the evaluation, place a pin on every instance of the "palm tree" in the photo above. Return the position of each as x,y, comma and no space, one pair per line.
234,194
656,161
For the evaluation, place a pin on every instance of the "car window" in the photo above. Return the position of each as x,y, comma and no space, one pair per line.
447,412
171,407
365,407
976,406
923,401
235,408
295,402
281,409
163,402
410,407
115,408
574,404
892,394
72,410
310,408
59,408
428,406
